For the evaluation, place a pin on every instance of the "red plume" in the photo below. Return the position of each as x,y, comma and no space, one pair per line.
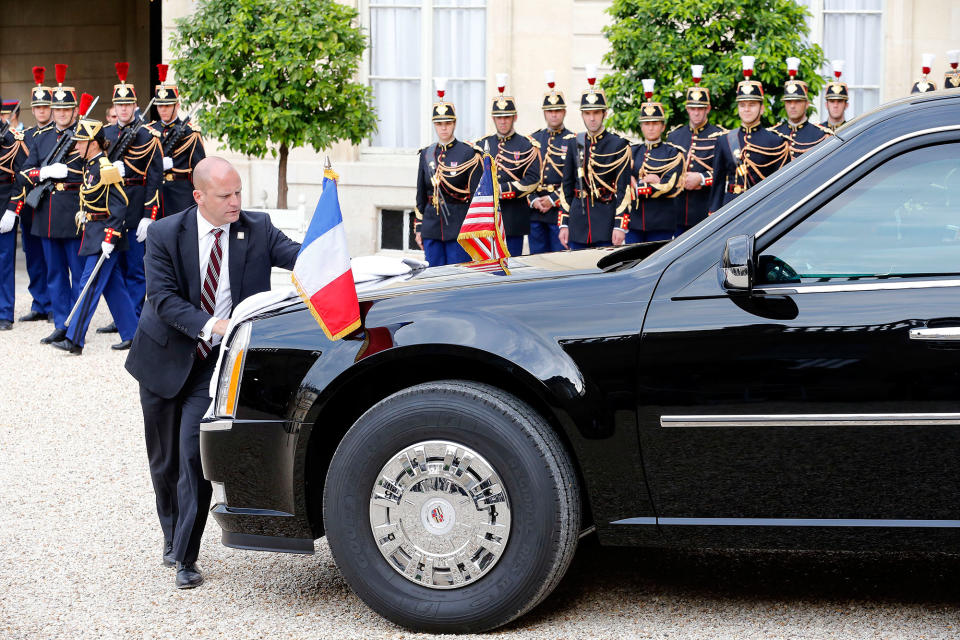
85,101
61,71
122,69
162,72
39,73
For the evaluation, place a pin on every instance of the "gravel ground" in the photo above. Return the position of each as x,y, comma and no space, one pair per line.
81,548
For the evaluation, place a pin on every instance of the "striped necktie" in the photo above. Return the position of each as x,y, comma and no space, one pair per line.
208,295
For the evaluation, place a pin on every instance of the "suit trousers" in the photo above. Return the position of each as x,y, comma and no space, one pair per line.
36,265
63,263
172,429
131,266
108,283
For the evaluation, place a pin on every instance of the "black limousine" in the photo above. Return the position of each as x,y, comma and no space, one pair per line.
784,375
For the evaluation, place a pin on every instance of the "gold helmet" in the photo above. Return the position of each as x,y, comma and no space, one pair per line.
87,128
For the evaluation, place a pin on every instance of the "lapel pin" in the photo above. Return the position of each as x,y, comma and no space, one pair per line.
239,235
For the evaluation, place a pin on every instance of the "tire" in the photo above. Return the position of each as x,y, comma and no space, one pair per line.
542,506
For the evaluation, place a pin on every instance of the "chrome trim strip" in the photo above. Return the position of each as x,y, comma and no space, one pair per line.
812,420
792,522
856,286
217,425
847,170
943,333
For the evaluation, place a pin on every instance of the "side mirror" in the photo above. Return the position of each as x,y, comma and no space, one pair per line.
736,266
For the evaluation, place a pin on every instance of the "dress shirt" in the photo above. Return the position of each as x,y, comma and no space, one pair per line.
224,303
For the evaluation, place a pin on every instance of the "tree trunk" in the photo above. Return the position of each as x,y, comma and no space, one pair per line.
282,178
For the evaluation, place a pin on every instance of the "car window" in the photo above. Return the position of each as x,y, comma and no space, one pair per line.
901,219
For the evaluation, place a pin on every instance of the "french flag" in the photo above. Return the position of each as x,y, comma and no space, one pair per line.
322,273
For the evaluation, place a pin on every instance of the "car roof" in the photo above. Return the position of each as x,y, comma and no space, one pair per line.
909,104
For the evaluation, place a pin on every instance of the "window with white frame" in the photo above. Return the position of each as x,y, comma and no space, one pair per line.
396,230
411,43
852,31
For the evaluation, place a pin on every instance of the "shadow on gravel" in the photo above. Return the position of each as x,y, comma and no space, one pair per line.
789,577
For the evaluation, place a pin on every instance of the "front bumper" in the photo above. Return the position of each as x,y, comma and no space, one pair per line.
260,503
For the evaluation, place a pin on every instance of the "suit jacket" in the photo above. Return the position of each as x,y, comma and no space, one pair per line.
164,347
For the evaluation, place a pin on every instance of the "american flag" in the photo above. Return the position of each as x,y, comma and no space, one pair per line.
481,234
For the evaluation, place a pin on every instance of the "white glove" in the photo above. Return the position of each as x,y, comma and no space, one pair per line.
121,168
6,222
57,171
107,248
142,229
167,163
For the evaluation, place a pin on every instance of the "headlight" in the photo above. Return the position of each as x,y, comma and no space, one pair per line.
231,371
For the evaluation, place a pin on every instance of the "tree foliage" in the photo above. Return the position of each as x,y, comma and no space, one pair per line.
272,75
660,39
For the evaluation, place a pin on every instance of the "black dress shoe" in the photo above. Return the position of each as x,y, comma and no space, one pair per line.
188,576
33,316
5,325
122,346
56,336
67,345
169,560
110,328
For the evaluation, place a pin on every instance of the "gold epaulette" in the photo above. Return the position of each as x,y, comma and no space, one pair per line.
773,129
717,134
109,174
476,147
17,135
153,132
570,136
674,129
533,142
675,146
822,128
195,126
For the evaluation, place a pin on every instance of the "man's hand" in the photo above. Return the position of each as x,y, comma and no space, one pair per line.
142,229
57,171
220,327
419,239
618,238
6,222
564,237
121,168
543,204
167,163
651,178
692,181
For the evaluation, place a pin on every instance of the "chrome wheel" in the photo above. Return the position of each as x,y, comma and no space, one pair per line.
439,514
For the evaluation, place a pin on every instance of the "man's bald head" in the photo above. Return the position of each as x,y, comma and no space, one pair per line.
217,187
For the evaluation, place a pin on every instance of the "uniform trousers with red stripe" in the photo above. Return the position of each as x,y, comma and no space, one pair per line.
64,265
109,283
172,429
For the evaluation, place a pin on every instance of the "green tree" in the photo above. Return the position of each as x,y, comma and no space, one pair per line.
660,39
272,75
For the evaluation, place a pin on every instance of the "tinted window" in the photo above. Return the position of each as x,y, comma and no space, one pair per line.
902,218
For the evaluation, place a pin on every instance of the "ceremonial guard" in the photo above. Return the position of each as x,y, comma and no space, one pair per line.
837,99
448,174
137,148
52,176
13,152
749,153
182,147
518,167
596,176
951,79
924,85
657,178
554,139
40,308
802,134
698,139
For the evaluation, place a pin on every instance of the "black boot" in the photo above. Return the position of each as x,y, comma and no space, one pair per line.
67,345
169,560
6,325
110,328
122,346
56,336
33,316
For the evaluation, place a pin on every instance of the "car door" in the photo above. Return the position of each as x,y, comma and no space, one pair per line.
821,407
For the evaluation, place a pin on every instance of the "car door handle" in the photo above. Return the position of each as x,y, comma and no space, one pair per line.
940,334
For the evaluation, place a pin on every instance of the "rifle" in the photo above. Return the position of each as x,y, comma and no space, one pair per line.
177,134
56,155
128,136
5,125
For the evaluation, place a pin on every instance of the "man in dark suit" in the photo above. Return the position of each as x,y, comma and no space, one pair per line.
189,302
